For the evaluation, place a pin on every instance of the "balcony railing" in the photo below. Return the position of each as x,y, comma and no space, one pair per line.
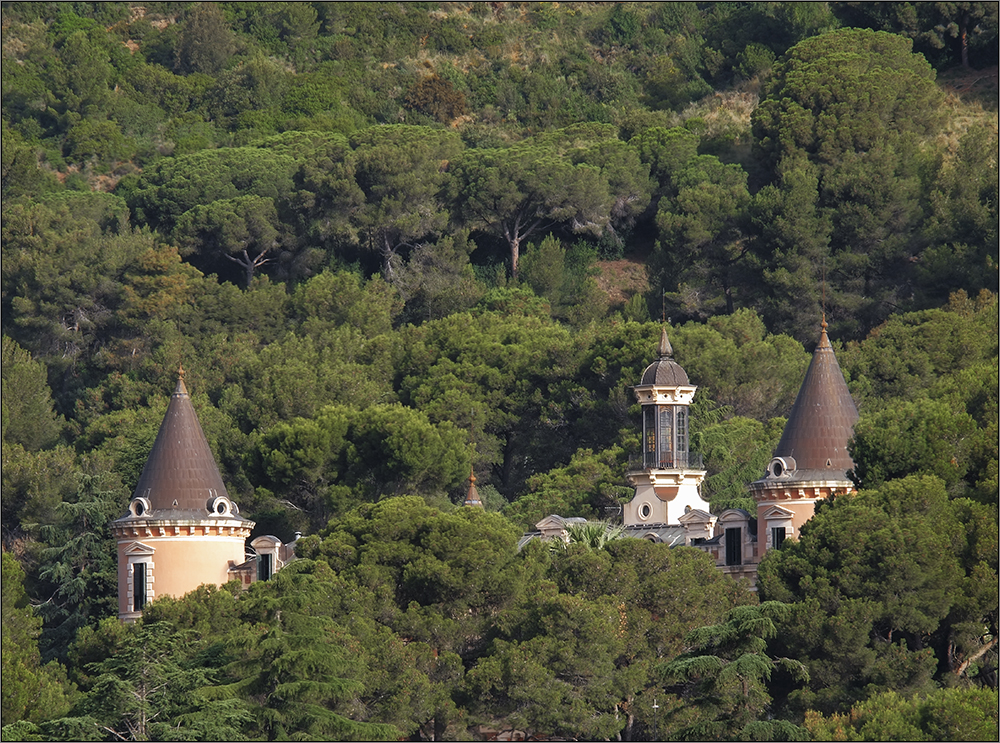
670,461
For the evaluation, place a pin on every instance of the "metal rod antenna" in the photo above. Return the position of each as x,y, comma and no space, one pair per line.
824,290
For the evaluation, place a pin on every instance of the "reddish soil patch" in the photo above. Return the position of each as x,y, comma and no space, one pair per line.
621,279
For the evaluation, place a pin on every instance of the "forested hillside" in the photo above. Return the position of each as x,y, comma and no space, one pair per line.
391,243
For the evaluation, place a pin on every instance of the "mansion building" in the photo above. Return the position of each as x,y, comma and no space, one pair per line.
810,464
182,530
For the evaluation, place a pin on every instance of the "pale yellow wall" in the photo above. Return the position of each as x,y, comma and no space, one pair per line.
182,563
802,511
803,507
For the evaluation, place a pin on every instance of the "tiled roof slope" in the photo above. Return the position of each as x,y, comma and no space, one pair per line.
822,419
665,371
180,476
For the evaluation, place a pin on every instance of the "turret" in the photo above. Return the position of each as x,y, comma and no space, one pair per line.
666,475
811,460
181,528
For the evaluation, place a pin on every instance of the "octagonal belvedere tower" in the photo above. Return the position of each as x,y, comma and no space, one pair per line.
666,476
181,528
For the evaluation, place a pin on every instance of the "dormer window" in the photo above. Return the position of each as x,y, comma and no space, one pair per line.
139,507
781,466
221,507
734,546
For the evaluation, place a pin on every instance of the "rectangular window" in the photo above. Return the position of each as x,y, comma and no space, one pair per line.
682,432
649,432
264,567
777,536
138,586
666,434
734,546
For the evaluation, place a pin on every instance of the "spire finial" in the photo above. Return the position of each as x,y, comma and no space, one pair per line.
665,348
823,305
824,339
181,388
472,495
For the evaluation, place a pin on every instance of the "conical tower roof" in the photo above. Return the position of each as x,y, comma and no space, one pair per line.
821,421
180,478
665,371
472,497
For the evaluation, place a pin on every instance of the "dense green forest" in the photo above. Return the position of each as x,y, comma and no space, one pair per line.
395,242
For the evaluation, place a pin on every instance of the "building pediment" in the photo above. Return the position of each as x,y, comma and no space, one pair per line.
266,542
776,512
696,516
553,521
734,516
138,549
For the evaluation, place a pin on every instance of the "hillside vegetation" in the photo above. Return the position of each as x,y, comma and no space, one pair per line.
393,243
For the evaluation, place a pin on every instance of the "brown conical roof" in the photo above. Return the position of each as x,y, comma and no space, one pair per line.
665,371
472,497
180,477
821,421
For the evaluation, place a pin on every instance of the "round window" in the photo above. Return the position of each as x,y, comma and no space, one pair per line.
139,508
220,507
644,511
777,469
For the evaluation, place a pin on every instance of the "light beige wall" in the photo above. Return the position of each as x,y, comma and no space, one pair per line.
802,511
182,563
657,501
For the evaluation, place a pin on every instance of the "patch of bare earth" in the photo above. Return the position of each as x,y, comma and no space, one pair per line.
962,80
621,279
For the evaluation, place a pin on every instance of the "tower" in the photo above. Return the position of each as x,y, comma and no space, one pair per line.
181,528
811,460
472,497
666,476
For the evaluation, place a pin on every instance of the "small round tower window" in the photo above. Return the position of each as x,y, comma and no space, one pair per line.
220,507
139,508
644,511
781,466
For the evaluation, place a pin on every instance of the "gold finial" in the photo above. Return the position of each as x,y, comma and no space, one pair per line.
181,388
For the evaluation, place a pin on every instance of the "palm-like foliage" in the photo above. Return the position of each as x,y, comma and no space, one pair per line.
594,535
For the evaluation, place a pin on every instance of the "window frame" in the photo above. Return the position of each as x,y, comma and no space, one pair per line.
734,545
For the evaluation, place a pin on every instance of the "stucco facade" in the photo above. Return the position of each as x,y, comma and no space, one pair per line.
181,529
810,464
666,476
